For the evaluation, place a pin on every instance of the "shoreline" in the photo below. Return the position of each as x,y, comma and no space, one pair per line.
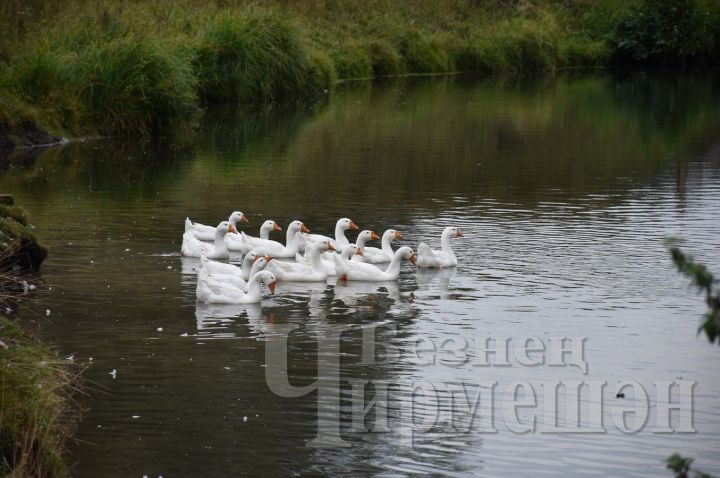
70,71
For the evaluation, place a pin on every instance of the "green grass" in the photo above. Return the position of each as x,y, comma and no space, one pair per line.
36,410
81,67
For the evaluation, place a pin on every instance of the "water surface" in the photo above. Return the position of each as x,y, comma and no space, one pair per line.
565,188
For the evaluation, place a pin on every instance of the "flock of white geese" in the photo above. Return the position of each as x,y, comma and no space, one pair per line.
305,257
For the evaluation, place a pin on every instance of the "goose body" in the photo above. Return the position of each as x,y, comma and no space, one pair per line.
244,243
193,247
276,249
215,292
304,272
207,233
373,255
445,257
329,263
351,270
237,280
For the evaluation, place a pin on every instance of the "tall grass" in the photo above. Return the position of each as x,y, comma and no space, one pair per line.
36,405
86,67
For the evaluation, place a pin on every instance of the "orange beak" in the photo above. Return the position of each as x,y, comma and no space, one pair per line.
277,228
258,257
268,258
271,286
244,219
231,228
330,247
360,252
353,225
413,258
303,228
398,235
459,233
373,236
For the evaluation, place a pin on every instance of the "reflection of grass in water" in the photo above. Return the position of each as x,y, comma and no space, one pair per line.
574,132
413,138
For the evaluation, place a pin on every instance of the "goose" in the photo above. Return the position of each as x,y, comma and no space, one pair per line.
238,242
207,233
360,241
349,270
445,257
214,267
236,279
276,249
193,247
340,240
300,272
329,264
373,255
211,291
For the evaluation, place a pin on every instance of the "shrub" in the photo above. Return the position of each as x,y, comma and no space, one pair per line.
665,31
253,58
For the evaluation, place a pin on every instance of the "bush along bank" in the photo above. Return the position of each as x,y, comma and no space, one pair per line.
37,412
79,68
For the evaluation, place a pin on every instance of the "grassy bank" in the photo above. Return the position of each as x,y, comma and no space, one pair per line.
36,408
83,67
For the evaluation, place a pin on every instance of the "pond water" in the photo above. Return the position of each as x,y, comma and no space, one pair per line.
565,188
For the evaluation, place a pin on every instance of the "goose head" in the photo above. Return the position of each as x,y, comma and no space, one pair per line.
260,264
267,278
249,259
392,234
323,246
297,226
270,226
452,231
344,224
351,250
236,217
365,236
407,253
223,228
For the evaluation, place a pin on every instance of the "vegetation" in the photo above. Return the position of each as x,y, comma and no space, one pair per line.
705,282
681,467
36,409
85,68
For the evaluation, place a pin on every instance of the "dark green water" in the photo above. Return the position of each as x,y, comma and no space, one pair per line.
566,189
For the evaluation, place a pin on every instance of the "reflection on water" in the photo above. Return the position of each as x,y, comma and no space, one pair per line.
566,189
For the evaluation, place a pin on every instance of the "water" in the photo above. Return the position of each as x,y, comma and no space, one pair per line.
565,188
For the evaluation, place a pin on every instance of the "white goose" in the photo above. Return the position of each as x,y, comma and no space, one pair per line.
193,247
238,242
301,272
211,291
360,241
207,233
276,249
214,267
373,255
236,279
350,270
329,263
445,257
340,240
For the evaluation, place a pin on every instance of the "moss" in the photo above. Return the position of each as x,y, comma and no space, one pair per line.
19,248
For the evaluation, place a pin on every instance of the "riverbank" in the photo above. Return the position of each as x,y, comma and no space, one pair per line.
84,68
37,412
